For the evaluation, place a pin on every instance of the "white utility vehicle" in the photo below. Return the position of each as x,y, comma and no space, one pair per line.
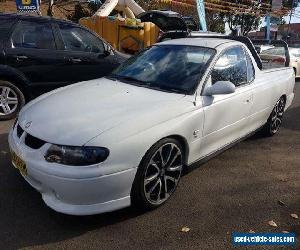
105,144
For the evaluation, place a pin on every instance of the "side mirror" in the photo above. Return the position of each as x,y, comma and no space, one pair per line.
220,88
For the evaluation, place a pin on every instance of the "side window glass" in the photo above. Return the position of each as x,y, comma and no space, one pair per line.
33,35
5,25
250,68
77,39
231,66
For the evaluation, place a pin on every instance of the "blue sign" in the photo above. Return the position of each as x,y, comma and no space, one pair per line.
28,5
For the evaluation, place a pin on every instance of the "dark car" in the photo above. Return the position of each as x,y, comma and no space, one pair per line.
39,54
191,23
171,24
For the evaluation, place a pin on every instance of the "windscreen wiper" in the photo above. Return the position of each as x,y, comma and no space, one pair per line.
128,79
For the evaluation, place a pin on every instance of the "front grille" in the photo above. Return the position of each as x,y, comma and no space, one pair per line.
33,142
20,131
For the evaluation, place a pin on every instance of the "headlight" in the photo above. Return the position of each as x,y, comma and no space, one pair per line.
76,156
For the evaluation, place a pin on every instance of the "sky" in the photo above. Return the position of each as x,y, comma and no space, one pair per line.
294,19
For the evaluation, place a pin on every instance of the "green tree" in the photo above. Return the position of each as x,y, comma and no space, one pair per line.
247,16
215,22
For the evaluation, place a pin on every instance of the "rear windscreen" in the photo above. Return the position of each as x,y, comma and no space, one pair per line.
273,54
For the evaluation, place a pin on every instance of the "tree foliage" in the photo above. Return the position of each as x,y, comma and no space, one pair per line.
246,21
215,22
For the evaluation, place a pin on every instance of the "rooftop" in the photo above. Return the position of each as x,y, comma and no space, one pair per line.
202,42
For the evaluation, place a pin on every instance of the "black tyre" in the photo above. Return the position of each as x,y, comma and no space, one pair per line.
11,100
274,122
158,174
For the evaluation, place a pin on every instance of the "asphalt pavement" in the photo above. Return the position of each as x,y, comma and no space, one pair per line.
254,182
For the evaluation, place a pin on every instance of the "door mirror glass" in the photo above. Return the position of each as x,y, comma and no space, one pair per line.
220,88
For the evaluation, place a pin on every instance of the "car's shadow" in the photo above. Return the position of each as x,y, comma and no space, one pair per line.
292,119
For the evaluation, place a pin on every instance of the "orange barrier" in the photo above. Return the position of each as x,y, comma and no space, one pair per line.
125,35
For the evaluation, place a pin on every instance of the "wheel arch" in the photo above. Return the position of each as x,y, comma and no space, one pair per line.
20,81
284,96
183,142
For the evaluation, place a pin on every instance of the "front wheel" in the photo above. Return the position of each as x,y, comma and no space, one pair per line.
11,100
274,122
158,174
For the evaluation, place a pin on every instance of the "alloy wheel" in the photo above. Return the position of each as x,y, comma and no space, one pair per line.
8,100
163,173
276,116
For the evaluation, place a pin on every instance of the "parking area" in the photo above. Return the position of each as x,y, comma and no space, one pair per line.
244,188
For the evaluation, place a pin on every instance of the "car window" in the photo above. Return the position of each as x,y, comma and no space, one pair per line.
33,35
78,39
5,25
231,66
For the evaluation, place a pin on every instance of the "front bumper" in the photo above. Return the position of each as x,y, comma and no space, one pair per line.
74,190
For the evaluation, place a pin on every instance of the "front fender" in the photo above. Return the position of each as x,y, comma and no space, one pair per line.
128,149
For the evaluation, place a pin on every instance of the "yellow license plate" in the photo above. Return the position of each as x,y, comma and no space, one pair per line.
18,163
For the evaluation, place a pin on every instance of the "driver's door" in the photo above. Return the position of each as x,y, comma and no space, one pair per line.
84,53
226,116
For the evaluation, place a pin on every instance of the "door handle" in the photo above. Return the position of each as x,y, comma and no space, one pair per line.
21,58
75,60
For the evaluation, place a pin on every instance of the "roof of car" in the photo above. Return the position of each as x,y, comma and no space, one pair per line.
201,42
26,16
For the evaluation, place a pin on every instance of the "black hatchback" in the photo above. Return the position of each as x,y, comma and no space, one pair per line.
39,54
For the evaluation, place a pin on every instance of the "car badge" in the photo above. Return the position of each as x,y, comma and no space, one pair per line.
28,124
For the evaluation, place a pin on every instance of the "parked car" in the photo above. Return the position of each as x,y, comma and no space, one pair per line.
261,48
171,24
191,23
295,60
126,138
276,56
38,54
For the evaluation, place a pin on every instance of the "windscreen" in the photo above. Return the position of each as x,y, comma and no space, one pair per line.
174,68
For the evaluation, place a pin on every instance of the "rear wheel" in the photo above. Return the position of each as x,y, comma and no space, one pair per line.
158,174
11,100
274,122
